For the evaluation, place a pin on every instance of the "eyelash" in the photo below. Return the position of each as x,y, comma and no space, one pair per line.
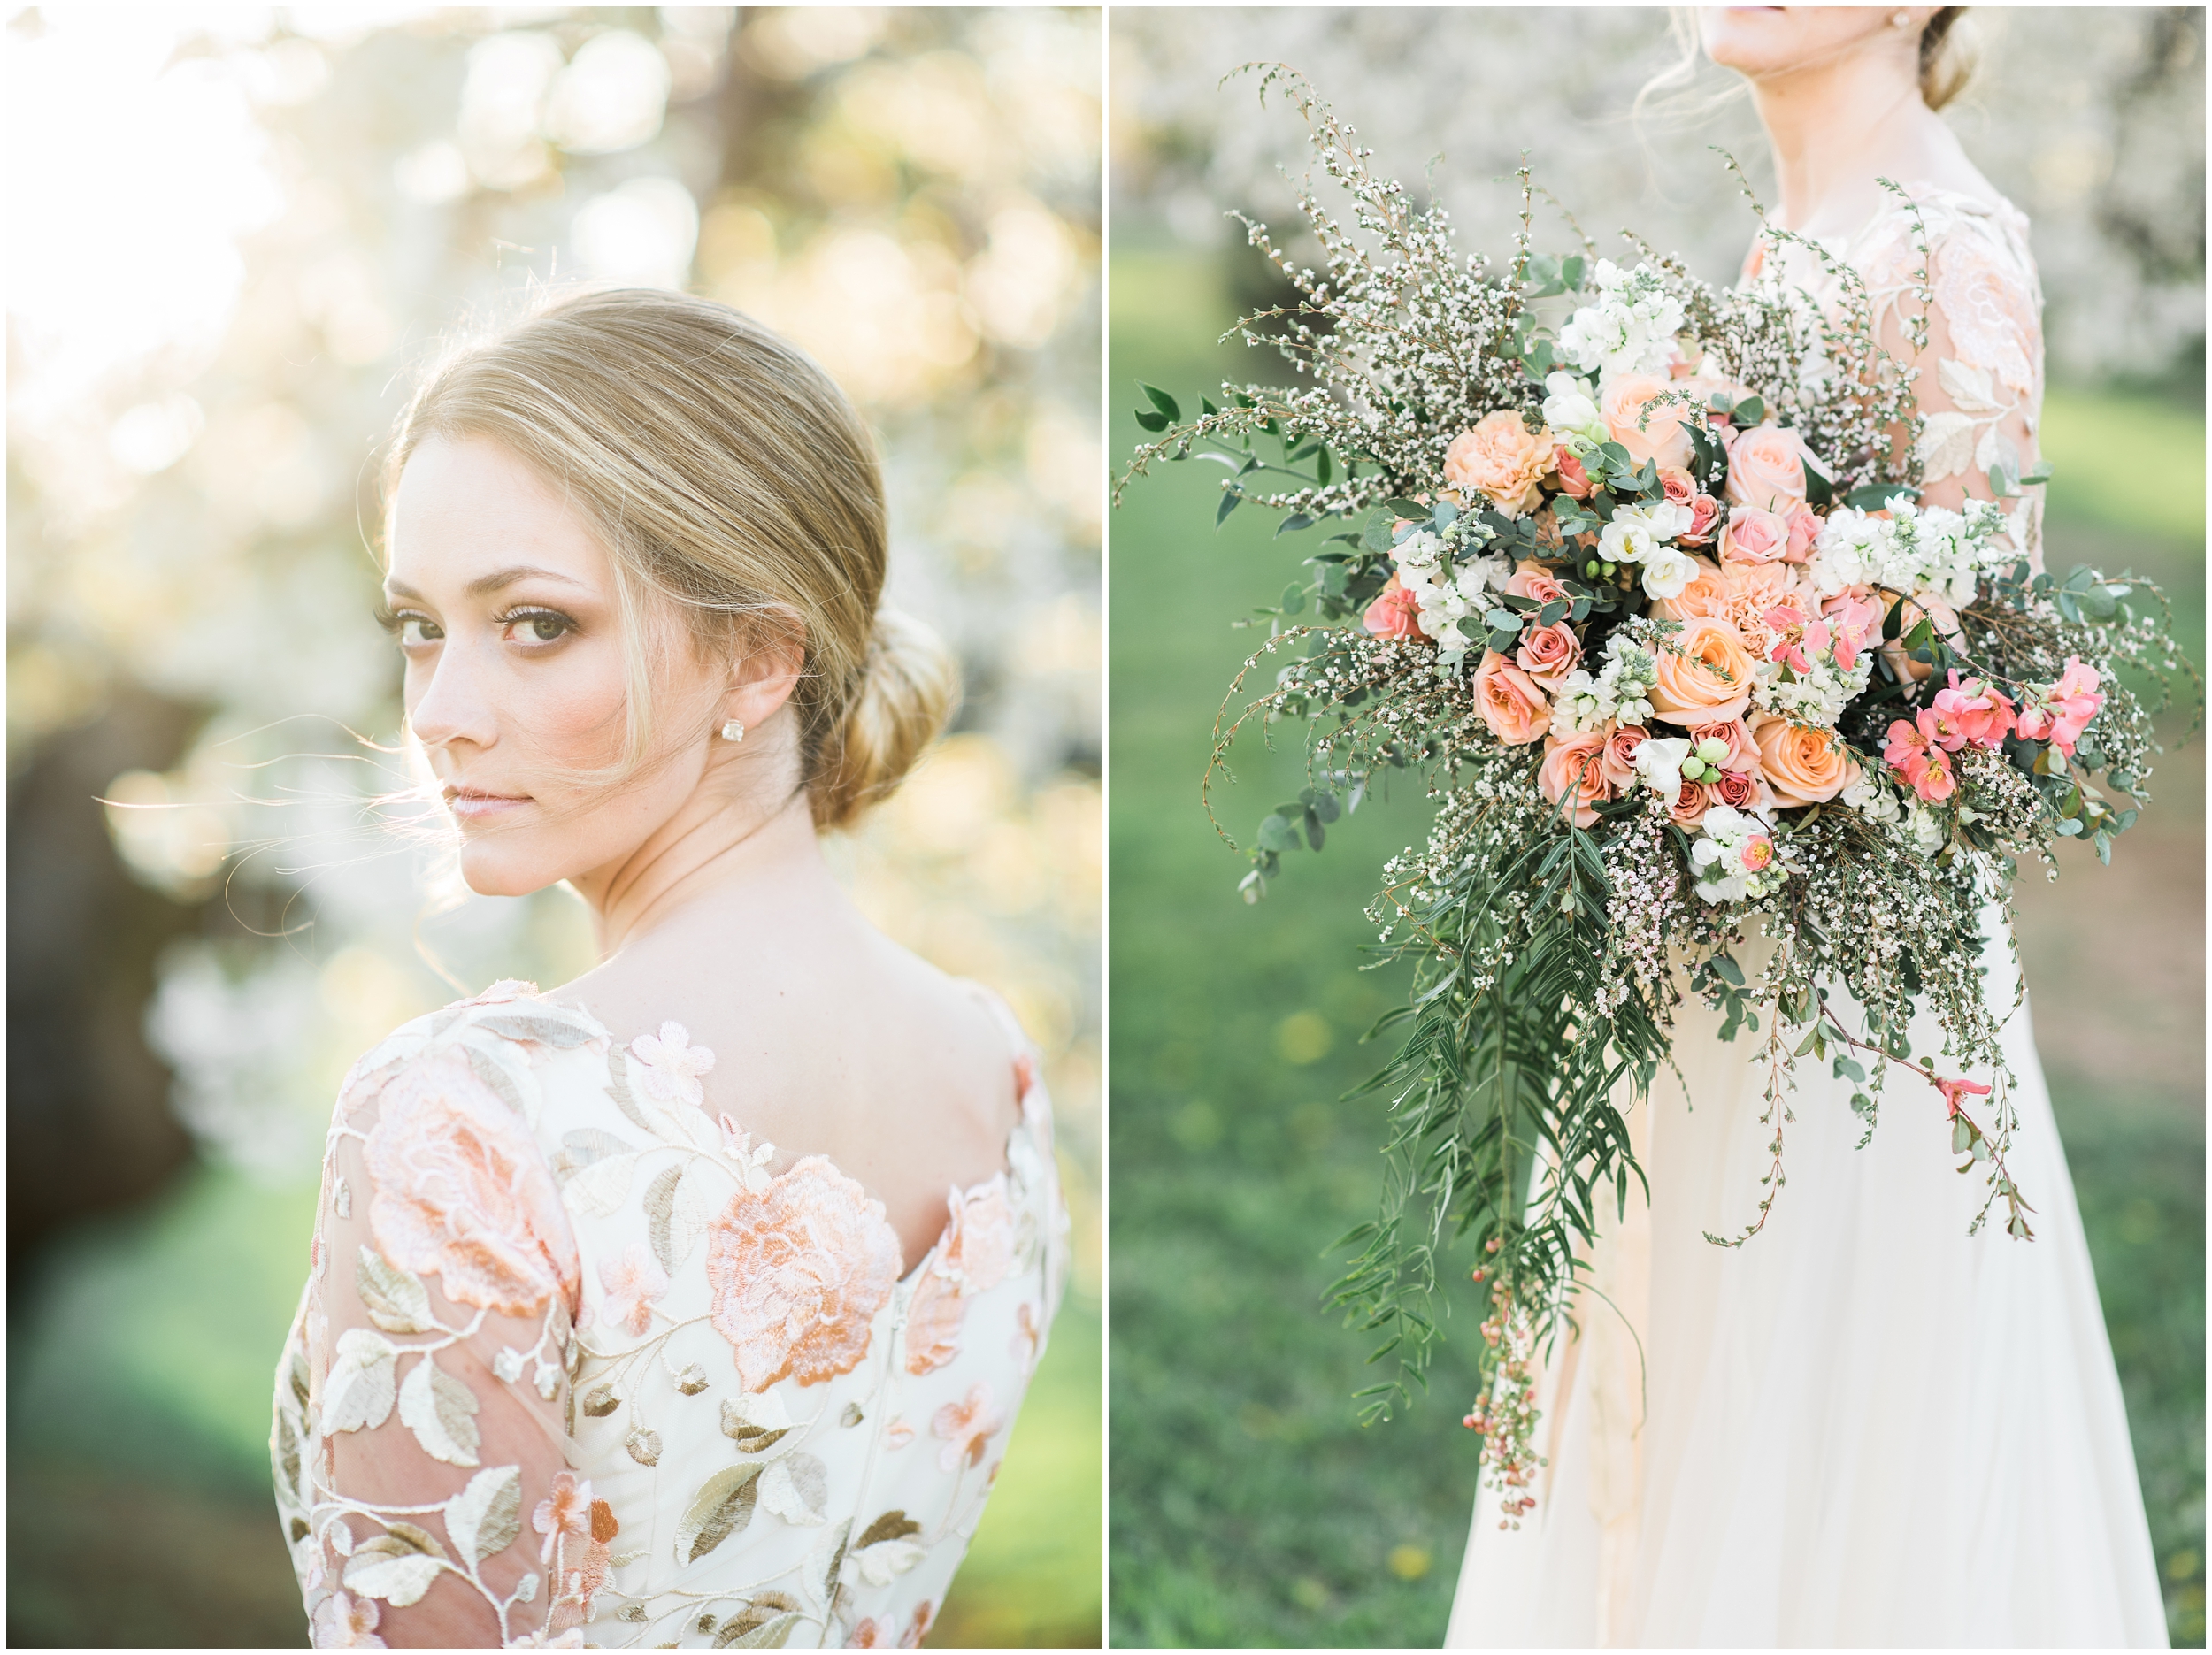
394,620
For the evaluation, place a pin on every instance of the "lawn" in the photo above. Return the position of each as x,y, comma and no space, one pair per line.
1248,1507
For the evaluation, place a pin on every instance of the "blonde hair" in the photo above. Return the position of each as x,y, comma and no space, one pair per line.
1948,60
729,478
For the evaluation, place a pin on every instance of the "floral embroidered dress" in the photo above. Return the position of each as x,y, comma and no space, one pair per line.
1864,1427
574,1365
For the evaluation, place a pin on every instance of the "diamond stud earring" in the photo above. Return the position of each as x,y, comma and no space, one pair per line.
732,730
1898,19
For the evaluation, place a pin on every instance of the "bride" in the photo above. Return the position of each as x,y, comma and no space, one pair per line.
690,1304
1863,1426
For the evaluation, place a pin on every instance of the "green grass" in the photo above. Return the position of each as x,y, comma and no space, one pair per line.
1248,1507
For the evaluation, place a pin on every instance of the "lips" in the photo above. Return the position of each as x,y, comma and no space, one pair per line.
473,806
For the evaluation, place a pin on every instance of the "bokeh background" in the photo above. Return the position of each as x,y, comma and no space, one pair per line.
1248,1507
233,236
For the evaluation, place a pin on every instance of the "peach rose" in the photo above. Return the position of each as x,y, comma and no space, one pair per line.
1511,703
1573,481
1704,675
1547,654
1575,765
1664,437
1500,458
1677,486
797,1272
1766,469
1705,597
463,1192
1754,536
1393,614
1690,804
1620,753
1531,580
1803,766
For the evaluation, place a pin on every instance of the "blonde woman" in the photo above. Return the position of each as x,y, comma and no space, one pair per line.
1866,1427
690,1304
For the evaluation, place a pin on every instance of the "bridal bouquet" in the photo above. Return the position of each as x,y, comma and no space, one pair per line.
1635,570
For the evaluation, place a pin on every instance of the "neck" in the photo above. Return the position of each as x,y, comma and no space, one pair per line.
713,847
1834,127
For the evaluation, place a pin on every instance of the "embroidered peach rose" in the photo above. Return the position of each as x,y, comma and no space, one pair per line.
1706,597
797,1272
1663,436
967,1428
1704,675
1511,703
974,1256
1803,766
463,1192
1574,769
1990,313
1766,469
1500,458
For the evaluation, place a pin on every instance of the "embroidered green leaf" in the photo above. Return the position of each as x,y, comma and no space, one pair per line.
692,1211
851,1416
599,1188
600,1401
693,1380
418,1539
824,1562
796,1488
497,1078
389,1568
741,1630
395,1299
442,1412
721,1508
486,1517
539,1027
893,1525
359,1390
581,1149
300,1530
660,1213
618,1088
645,1447
756,1423
287,1449
769,1634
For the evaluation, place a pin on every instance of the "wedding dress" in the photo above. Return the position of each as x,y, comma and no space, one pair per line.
1863,1426
570,1353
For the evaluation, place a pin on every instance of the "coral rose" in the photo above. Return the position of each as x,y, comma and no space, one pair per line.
1690,804
1704,513
1511,703
1620,753
1677,486
1754,536
1394,613
1803,766
1766,469
797,1272
1573,481
1574,769
1705,598
463,1193
1530,579
1664,437
1547,654
1704,675
1741,789
1500,458
1804,530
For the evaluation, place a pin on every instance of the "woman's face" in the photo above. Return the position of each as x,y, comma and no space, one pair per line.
505,606
1761,42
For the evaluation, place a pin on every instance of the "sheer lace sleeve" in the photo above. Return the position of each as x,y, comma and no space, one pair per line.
1980,384
438,1341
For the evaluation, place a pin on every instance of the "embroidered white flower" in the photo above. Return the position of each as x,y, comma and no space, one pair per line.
673,1065
752,1161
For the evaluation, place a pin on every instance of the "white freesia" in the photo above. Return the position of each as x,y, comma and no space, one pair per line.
1569,407
1659,763
1668,572
1631,328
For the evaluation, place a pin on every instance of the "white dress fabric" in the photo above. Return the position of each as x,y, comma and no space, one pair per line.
576,1360
1863,1426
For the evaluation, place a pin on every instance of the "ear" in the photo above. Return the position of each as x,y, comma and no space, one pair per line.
769,657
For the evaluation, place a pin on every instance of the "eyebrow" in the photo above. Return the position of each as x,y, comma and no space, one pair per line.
493,582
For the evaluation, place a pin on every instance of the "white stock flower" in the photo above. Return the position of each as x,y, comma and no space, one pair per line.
1418,550
1631,328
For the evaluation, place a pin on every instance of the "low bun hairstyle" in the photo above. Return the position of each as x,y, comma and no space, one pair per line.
727,475
1947,60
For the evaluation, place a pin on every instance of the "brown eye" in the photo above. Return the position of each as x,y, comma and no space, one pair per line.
536,628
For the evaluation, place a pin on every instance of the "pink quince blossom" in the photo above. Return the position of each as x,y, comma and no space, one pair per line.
2062,712
1912,751
1981,714
1799,639
1952,1089
1758,851
1856,621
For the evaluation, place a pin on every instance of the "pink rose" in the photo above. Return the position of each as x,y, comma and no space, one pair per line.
1766,469
1704,512
1574,767
1393,614
1620,753
1547,654
1676,484
1573,480
1741,789
1804,530
1500,458
1743,751
1664,437
1511,703
1754,536
1530,579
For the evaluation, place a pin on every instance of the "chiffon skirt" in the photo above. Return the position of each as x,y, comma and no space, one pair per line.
1862,1428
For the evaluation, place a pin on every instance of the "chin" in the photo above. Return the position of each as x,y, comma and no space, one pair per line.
490,868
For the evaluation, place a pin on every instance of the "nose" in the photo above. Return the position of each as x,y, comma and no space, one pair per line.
454,707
